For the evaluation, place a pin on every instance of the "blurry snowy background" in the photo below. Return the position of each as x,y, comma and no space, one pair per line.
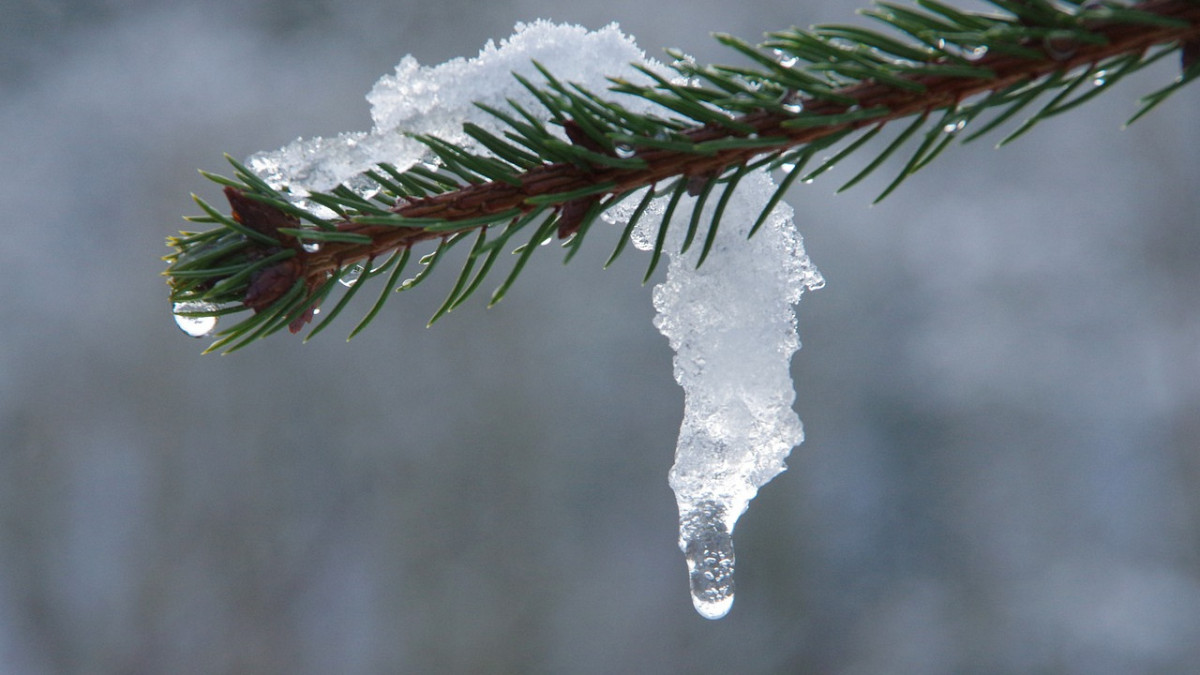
1000,386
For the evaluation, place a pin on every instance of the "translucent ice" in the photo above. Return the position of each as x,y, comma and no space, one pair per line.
733,329
708,550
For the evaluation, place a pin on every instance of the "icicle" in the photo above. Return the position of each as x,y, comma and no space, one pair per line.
733,329
707,546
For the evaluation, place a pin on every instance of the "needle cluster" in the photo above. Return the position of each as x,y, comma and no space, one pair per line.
826,92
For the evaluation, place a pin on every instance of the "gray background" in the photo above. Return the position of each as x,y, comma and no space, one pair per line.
999,385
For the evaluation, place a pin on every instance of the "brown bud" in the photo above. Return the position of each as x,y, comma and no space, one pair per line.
1190,54
696,182
269,284
299,322
256,215
570,216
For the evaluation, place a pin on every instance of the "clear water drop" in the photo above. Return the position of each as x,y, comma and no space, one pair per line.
352,275
624,151
1100,78
684,63
188,322
792,103
785,59
955,126
970,53
787,167
707,547
1060,47
311,246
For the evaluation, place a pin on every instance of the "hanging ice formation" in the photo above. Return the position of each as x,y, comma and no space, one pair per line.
730,322
733,330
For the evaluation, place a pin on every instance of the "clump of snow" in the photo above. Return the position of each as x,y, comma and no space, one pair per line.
732,326
730,322
438,99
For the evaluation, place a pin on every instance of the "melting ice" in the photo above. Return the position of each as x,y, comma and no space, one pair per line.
730,322
733,329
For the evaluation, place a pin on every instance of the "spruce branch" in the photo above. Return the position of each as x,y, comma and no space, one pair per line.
807,91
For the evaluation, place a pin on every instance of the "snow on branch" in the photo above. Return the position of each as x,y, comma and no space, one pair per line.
500,147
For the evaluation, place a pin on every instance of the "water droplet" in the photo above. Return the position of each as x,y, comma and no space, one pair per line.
1100,78
970,53
1060,47
352,274
785,59
788,167
311,246
624,151
792,103
708,548
195,326
954,126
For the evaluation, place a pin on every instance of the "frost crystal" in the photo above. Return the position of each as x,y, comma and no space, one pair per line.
733,330
730,322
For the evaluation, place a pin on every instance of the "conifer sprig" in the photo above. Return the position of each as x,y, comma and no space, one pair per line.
554,172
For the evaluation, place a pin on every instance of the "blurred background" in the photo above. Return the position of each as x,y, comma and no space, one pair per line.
1000,386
